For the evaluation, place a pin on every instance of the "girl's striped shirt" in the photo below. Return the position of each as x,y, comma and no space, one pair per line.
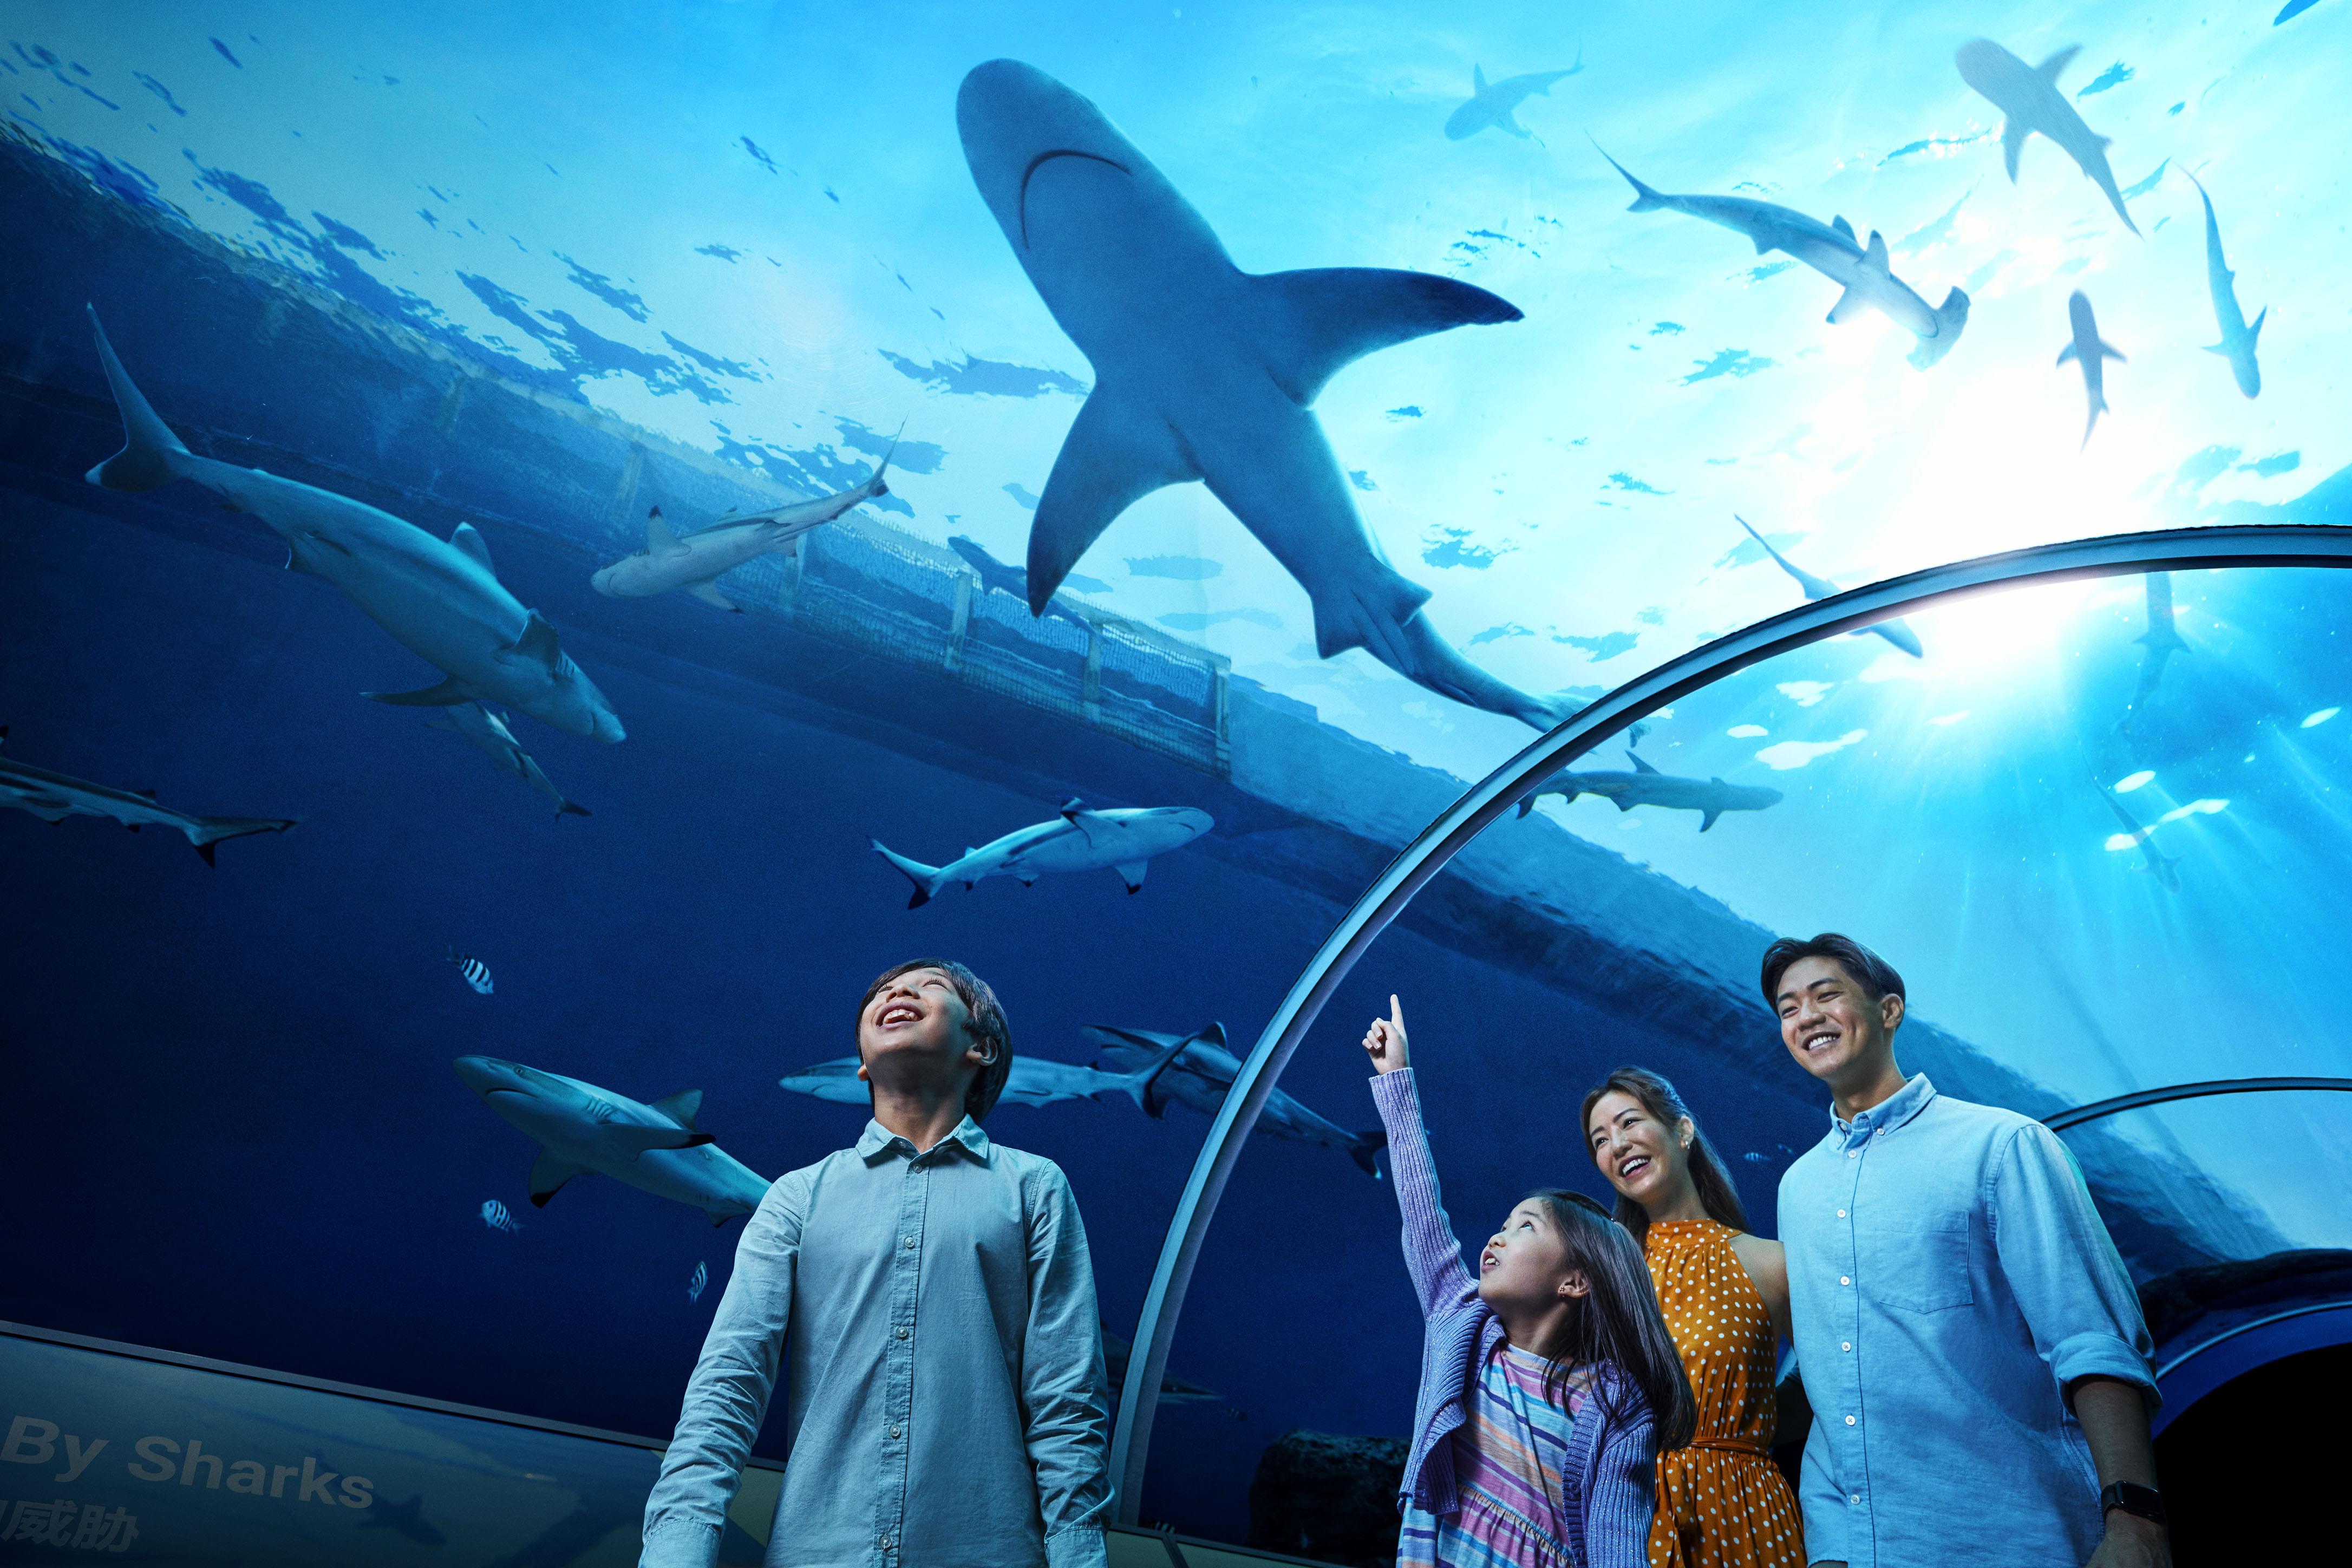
1507,1458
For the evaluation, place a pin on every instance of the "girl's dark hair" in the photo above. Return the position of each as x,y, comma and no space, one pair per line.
1872,974
1616,1327
1708,1173
988,1030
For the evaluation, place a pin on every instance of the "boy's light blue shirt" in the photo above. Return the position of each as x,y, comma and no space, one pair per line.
1948,1279
947,1404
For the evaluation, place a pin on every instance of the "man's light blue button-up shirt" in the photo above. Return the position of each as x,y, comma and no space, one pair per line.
1948,1279
946,1401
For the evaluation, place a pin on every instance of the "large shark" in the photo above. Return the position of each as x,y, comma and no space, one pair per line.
584,1129
53,797
2164,867
2087,348
442,601
1203,1070
1205,371
693,563
1122,841
1494,103
1830,250
2238,335
1030,1080
1893,631
2029,99
1645,785
997,577
488,732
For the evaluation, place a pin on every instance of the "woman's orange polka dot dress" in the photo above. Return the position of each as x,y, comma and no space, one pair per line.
1722,1503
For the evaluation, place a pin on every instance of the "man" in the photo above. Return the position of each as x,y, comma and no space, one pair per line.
932,1295
1971,1345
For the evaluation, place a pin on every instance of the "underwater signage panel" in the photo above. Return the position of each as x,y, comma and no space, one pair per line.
106,1454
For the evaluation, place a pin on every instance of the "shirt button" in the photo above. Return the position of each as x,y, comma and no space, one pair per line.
886,1543
894,1431
910,1241
902,1330
1880,1133
1849,1420
1853,1153
1845,1344
1842,1280
1854,1497
1840,1213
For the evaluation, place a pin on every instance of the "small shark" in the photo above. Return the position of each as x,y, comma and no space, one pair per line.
1832,251
53,797
488,732
1122,841
1030,1080
2029,99
1205,371
997,577
1493,104
1173,1390
2092,351
2164,867
584,1129
1893,631
2161,639
442,601
405,1518
1204,1071
1645,785
693,563
2237,335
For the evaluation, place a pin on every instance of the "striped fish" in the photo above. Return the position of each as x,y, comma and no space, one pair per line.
476,973
694,1286
495,1216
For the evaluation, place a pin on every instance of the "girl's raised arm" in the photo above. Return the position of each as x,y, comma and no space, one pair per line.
1433,1253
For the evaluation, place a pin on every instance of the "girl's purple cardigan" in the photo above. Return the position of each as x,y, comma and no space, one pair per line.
1608,1474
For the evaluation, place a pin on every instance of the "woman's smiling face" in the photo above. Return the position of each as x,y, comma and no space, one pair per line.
1643,1157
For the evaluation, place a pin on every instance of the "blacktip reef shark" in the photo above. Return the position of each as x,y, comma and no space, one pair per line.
693,563
1030,1080
2164,867
1495,102
1203,1070
2089,349
2238,335
1830,249
488,732
53,797
440,599
583,1129
1645,785
1205,371
2029,101
1893,631
1122,841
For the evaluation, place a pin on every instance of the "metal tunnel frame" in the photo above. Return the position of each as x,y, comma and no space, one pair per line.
2273,545
2146,1097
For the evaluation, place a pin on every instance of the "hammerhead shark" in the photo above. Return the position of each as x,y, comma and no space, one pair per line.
442,601
1645,785
53,797
2237,335
1205,371
488,732
1893,631
1203,1073
2164,867
2029,99
1493,104
2092,351
1832,251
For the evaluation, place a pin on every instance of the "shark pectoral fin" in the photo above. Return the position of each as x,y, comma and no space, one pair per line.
448,694
1478,78
2109,351
1118,450
1707,819
2222,348
2013,134
538,644
1874,255
659,541
641,1139
1849,305
709,595
2066,354
1315,322
2048,69
1623,804
1843,228
2256,329
682,1107
467,540
1526,803
1132,874
1508,121
548,1174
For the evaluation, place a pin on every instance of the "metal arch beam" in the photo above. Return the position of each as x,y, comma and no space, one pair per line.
2274,545
2146,1097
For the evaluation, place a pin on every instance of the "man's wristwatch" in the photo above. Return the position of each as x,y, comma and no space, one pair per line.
2142,1502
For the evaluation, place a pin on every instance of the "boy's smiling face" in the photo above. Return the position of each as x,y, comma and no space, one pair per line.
915,1028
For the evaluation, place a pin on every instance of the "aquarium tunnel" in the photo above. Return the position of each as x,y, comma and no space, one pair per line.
572,538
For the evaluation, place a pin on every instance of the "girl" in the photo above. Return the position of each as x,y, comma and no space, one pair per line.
1548,1384
1721,1503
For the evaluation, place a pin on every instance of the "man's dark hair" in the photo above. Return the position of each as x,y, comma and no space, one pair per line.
988,1030
1872,974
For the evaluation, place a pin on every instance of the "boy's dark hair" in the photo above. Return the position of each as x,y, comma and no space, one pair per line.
1716,1193
1616,1328
1872,974
988,1030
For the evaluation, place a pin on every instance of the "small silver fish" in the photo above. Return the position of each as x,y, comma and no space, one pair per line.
1754,1159
495,1216
694,1286
476,972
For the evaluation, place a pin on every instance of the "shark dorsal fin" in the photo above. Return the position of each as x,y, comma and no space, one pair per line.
148,795
681,1108
659,540
1639,765
1213,1035
2048,69
1071,808
1314,323
1842,227
1477,79
539,643
465,538
1874,255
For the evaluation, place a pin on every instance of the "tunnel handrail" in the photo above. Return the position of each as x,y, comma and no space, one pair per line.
2262,544
2141,1098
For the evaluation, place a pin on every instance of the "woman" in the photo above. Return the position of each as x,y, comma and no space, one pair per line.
1721,1501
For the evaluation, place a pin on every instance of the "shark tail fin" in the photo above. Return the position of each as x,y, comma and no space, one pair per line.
874,487
927,879
151,454
210,830
1365,1150
1644,198
1139,1084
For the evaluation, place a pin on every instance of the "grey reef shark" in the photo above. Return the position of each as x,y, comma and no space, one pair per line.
2087,348
488,732
1833,251
1493,103
1032,1080
693,563
2029,101
53,797
2165,869
1893,631
1645,785
1123,839
584,1129
2238,335
440,599
1204,371
1203,1071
